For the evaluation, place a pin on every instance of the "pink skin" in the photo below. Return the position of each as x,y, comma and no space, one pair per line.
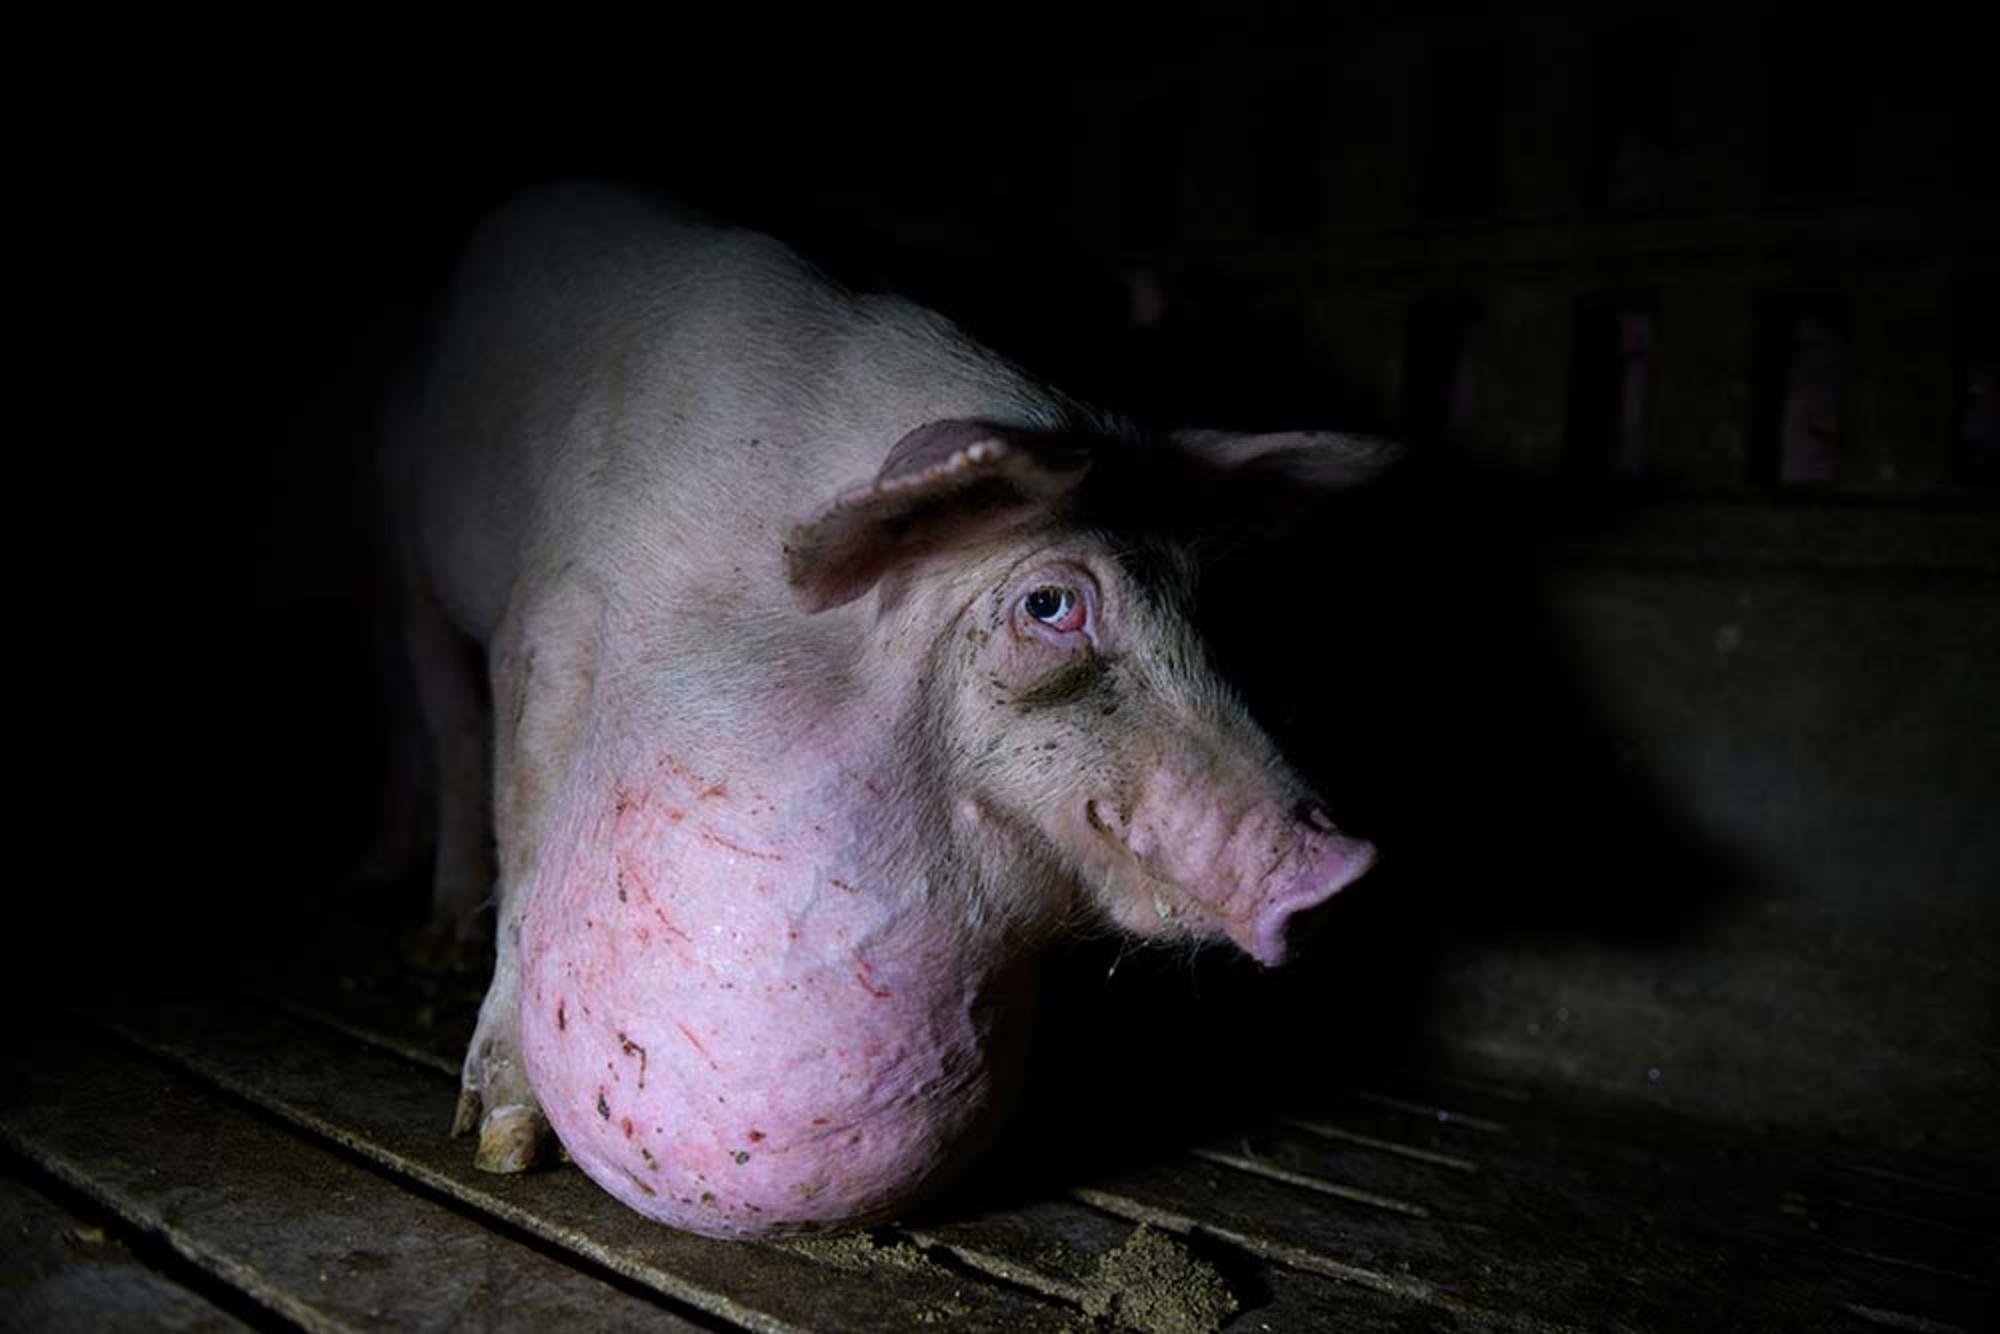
733,1037
758,1001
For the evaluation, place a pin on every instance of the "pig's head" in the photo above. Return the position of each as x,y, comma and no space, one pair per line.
1080,726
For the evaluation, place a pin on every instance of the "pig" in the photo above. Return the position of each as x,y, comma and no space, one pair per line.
836,668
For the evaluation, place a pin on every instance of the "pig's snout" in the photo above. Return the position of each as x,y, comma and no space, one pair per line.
1327,862
1252,878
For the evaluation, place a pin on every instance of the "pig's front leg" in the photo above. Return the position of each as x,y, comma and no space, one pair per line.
543,666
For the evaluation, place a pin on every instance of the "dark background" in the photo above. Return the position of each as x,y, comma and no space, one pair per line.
1684,770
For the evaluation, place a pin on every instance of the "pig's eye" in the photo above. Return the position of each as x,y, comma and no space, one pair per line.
1061,609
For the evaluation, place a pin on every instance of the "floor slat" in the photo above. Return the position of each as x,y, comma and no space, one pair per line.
1473,1201
1060,1246
301,1231
60,1271
1054,1247
393,1111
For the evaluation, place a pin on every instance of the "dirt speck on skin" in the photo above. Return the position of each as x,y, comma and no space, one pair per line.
1154,1285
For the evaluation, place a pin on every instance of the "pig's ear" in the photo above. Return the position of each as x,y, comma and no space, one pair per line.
1319,460
947,484
1260,488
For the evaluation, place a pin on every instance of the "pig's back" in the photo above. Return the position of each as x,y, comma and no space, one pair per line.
491,450
622,386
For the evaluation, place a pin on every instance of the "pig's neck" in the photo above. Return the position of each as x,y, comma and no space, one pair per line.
951,841
827,788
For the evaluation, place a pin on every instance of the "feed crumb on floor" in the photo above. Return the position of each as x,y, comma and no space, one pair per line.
1153,1284
862,1252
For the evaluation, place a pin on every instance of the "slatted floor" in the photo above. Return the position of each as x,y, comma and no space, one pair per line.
275,1158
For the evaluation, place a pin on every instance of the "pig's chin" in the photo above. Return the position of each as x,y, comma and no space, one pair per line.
1152,908
723,1090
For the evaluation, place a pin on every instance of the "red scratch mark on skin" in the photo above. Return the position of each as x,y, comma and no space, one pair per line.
703,788
710,836
677,816
666,923
629,873
631,870
562,1018
867,981
838,883
640,1184
755,1137
631,1048
625,1124
603,1106
689,1034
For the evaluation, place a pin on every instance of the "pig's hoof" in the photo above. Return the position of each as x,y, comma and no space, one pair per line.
467,1115
512,1139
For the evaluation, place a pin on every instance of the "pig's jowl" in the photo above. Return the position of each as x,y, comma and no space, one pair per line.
836,666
